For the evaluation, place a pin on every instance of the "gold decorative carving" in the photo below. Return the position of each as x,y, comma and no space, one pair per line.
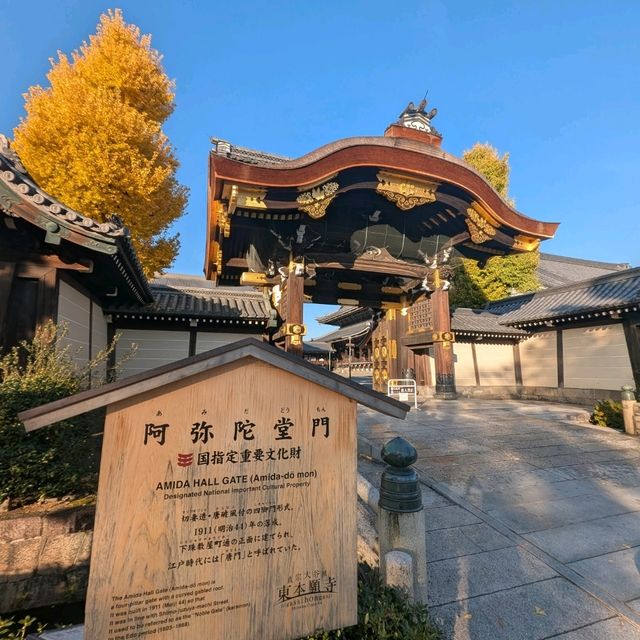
244,197
481,226
316,201
525,243
248,278
250,198
222,217
406,193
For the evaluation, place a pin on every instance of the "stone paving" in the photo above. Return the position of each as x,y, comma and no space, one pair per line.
533,518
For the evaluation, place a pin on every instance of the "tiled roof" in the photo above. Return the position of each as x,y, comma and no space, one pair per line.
316,347
177,296
481,321
244,154
618,292
21,197
556,271
345,315
358,330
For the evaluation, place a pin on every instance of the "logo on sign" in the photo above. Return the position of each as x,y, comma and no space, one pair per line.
185,459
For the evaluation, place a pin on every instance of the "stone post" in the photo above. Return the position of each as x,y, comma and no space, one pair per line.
401,524
628,406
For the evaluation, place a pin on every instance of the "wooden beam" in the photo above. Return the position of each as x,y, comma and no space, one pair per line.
37,266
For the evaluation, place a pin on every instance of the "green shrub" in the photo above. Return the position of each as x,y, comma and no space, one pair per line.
384,614
11,629
52,462
608,413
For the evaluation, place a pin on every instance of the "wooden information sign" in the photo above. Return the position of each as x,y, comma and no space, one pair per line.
227,498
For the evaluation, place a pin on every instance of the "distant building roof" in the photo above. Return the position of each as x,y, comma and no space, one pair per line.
181,297
610,294
555,271
316,347
358,330
481,321
346,315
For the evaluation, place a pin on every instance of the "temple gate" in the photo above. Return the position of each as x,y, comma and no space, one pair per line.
369,221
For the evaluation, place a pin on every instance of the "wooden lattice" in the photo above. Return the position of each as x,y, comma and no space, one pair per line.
420,317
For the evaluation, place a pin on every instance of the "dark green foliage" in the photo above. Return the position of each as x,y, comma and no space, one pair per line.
384,614
608,413
11,629
52,462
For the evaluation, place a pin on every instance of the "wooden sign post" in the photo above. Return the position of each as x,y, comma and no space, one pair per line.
227,498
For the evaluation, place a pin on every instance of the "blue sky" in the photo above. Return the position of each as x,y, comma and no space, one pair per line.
556,84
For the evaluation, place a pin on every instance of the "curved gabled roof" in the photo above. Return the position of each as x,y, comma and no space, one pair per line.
399,193
108,242
385,152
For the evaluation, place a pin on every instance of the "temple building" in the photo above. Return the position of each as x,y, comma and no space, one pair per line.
57,264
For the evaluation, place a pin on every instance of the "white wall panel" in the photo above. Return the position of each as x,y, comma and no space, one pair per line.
463,362
210,340
154,348
596,358
539,361
495,364
74,310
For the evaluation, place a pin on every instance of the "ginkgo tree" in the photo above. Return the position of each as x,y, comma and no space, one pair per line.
500,276
93,138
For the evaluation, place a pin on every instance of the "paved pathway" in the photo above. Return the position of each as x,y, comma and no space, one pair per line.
533,519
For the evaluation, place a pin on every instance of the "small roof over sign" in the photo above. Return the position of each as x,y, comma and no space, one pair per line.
155,378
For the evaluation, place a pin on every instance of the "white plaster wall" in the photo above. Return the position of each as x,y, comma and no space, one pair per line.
495,364
154,348
210,340
539,360
596,358
463,362
74,310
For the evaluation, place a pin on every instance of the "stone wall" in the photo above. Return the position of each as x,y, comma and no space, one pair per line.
44,556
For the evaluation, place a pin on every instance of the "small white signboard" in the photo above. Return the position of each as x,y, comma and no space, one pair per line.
404,389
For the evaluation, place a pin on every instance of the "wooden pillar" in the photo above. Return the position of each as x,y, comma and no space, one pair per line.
7,271
443,351
631,326
292,309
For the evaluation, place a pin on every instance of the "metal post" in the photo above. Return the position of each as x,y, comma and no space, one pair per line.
401,524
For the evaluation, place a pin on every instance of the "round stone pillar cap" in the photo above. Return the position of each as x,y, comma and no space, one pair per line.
399,453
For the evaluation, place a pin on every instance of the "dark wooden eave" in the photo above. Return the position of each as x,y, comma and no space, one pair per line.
59,230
